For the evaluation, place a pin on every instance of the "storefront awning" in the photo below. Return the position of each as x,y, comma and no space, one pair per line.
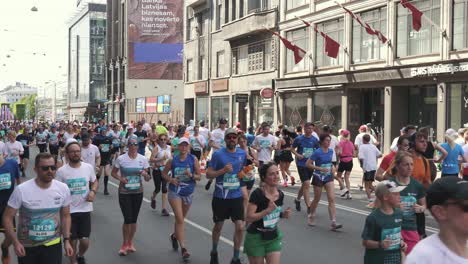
311,88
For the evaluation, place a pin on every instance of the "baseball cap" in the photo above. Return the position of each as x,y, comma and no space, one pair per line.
183,140
345,132
132,140
363,128
446,188
222,121
69,141
385,187
230,131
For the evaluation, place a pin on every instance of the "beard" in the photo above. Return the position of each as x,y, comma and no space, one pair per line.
75,159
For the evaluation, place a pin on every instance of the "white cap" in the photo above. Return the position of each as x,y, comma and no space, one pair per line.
183,140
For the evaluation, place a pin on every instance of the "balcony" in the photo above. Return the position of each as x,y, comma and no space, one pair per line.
195,3
252,23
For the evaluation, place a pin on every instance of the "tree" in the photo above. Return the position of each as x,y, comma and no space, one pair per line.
25,108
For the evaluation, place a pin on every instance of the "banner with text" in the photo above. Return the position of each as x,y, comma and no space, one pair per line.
155,39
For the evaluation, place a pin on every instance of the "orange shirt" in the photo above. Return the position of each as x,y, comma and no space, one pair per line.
421,172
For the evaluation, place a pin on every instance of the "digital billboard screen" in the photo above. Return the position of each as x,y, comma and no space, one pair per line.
155,39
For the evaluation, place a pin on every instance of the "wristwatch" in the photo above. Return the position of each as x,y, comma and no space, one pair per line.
66,238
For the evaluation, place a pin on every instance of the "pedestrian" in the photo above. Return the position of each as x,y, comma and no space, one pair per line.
465,152
429,154
450,165
159,157
263,240
302,148
412,198
447,200
90,153
368,155
346,154
185,171
9,176
264,144
381,236
216,142
14,149
26,141
227,202
44,216
250,135
81,180
41,139
326,129
104,143
128,170
320,162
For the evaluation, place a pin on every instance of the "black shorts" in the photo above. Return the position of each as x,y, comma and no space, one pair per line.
54,149
130,205
304,173
196,153
369,176
345,166
227,208
114,150
25,154
105,160
42,255
80,225
316,181
248,184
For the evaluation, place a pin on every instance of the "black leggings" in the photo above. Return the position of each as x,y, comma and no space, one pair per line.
421,223
54,149
130,205
42,148
196,153
159,182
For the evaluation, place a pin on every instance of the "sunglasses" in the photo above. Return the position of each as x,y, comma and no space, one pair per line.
231,137
133,144
46,168
163,139
461,205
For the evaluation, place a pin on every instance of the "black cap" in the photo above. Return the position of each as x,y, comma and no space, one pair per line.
447,188
223,121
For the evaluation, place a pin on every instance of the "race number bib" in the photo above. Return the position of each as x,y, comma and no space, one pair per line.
231,181
271,220
307,152
41,229
133,183
324,175
5,181
407,203
264,144
394,235
180,174
105,147
77,186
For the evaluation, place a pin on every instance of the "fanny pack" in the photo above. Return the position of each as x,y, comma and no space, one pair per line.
268,234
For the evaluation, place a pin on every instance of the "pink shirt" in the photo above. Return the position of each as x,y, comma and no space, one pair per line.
347,150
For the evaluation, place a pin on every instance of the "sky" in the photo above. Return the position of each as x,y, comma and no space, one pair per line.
33,45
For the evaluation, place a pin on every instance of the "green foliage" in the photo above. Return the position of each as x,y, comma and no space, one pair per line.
25,108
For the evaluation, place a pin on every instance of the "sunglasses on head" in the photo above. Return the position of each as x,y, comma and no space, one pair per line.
46,168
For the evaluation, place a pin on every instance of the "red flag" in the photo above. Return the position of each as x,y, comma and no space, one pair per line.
332,47
416,14
297,51
368,28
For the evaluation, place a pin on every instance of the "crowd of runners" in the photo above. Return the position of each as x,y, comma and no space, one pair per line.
247,169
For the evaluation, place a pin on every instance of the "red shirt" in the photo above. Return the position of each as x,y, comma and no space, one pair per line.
387,161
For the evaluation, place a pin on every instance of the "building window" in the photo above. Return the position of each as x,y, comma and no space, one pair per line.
220,64
241,8
457,105
226,11
256,54
334,29
367,47
299,38
235,59
202,109
460,24
257,5
290,4
189,73
218,14
219,109
201,67
201,24
254,57
190,24
426,41
234,10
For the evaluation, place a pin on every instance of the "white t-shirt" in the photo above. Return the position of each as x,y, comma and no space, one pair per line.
204,132
67,136
333,143
13,150
161,152
197,144
315,135
3,149
264,143
146,127
131,170
115,136
217,136
78,180
394,146
369,154
89,154
431,250
39,216
358,139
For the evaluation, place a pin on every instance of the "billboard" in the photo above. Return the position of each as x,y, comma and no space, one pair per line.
155,39
151,104
140,105
164,104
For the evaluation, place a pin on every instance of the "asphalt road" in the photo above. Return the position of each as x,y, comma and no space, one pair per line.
301,243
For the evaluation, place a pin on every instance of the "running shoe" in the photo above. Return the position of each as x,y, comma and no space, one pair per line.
80,260
236,261
164,212
349,196
293,181
311,220
344,192
174,242
214,258
123,251
131,248
208,184
335,226
298,205
106,192
153,203
185,254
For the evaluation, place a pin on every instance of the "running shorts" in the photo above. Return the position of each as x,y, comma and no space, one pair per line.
227,208
130,205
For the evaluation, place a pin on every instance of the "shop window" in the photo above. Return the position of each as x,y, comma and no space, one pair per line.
295,109
367,47
335,30
219,109
460,24
327,108
426,40
299,38
422,106
202,109
457,105
262,110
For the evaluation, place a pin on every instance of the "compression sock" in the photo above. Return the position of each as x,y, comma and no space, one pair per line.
106,180
215,247
236,254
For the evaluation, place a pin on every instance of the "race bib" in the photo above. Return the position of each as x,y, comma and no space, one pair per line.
140,139
105,147
265,144
5,181
41,229
271,220
133,183
24,142
394,235
324,175
231,181
77,186
307,152
407,203
180,174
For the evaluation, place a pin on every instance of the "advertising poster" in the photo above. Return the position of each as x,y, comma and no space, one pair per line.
164,104
155,39
151,104
140,105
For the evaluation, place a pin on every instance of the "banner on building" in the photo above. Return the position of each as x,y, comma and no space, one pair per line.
140,105
151,104
155,39
164,104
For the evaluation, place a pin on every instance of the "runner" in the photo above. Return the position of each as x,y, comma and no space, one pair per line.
53,140
412,198
81,180
160,155
185,170
114,135
285,156
128,169
263,239
216,142
90,153
104,143
302,148
264,144
227,201
450,165
44,216
248,172
142,136
383,172
333,146
41,139
26,140
381,236
9,174
320,163
346,154
197,143
14,149
368,155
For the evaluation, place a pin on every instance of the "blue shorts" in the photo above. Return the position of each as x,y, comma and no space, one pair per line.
320,182
187,200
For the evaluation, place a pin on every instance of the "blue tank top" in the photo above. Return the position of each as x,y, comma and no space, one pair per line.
186,184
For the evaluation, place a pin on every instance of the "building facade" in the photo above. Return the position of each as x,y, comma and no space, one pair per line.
231,60
144,61
86,62
12,93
